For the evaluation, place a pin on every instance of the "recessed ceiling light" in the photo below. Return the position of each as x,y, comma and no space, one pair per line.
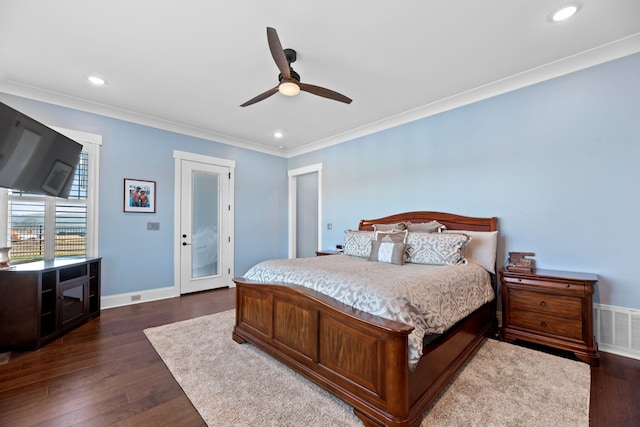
278,134
96,80
565,12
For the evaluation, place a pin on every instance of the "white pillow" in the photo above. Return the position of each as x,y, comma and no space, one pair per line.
481,249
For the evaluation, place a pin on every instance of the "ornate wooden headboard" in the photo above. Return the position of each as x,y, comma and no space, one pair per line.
451,221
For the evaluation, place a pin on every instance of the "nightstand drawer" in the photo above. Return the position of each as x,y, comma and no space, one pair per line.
569,307
547,323
548,284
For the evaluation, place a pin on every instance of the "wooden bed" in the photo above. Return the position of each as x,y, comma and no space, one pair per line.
359,357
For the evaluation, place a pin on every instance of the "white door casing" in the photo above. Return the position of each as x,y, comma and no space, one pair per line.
204,222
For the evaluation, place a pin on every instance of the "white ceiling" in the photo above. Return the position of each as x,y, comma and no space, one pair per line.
187,65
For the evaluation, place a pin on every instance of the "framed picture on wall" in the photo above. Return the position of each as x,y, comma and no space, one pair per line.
139,196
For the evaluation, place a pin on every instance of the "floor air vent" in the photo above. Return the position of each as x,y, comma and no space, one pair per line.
617,330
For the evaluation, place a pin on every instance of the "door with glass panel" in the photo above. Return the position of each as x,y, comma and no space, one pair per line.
204,227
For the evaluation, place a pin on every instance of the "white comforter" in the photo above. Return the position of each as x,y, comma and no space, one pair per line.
430,298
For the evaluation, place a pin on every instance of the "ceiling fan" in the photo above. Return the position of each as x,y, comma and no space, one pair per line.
290,84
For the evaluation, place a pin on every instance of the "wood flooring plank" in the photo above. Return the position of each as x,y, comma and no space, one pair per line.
614,392
105,380
72,415
73,363
175,412
25,396
121,410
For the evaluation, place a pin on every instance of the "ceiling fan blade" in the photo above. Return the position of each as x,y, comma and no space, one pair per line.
263,95
327,93
278,53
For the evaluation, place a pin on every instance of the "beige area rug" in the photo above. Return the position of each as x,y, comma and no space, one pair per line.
233,384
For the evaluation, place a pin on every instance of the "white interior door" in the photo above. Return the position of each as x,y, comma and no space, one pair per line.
205,234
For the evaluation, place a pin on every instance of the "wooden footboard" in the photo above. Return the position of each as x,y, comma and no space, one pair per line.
360,358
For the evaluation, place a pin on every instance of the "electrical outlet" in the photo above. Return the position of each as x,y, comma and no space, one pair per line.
153,226
329,226
136,297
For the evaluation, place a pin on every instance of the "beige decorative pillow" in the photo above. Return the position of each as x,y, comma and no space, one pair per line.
390,227
436,248
392,236
426,227
358,243
390,252
481,249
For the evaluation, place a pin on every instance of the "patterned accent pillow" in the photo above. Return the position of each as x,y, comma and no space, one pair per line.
392,236
358,243
436,248
385,251
399,226
426,227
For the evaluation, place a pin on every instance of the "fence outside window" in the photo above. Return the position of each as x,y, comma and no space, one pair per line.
27,242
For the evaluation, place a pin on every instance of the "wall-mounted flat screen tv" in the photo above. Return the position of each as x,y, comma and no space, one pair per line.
33,157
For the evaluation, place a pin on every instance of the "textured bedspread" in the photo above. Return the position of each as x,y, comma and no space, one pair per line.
428,297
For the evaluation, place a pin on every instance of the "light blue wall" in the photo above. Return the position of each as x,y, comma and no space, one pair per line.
557,163
135,259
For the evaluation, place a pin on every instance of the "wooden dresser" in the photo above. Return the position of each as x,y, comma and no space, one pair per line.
553,308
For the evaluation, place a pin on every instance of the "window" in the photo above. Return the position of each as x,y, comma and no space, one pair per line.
39,227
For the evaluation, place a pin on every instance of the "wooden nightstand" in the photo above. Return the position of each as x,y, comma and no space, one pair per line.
553,308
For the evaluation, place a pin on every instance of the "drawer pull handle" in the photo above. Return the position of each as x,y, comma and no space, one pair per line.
543,304
543,324
566,285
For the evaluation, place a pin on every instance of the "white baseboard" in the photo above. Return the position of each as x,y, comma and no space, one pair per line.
118,300
129,298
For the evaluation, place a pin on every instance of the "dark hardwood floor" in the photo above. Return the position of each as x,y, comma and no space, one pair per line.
106,373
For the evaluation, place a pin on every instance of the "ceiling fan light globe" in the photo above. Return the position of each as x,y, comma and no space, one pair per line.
289,88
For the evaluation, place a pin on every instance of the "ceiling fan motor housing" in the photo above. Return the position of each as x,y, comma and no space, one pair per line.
291,55
294,76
